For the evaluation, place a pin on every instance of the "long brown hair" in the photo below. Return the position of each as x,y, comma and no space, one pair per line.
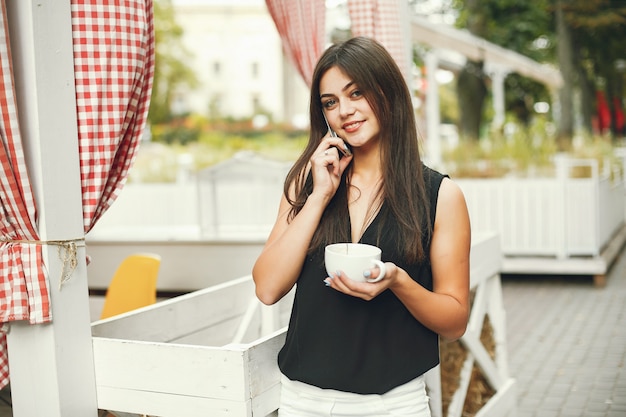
369,65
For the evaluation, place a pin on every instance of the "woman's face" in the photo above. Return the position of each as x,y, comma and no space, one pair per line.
347,110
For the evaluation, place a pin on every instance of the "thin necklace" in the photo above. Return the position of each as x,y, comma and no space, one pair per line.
372,211
373,207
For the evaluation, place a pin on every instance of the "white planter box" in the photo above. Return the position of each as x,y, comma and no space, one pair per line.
177,358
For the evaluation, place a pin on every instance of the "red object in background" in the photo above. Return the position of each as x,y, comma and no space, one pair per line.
604,113
619,115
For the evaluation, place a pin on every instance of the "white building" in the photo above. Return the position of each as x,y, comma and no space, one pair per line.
238,59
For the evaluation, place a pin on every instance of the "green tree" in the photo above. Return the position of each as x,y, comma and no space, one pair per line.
519,26
471,85
171,71
584,37
566,64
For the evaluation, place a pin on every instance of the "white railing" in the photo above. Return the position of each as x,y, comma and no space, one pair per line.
213,351
487,302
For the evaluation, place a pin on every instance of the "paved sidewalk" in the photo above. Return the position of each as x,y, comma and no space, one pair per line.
566,344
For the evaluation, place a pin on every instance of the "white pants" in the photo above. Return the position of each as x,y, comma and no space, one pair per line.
303,400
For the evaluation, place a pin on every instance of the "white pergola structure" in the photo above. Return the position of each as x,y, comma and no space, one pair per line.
499,62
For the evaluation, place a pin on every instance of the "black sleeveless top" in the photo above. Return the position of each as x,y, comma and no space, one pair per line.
348,344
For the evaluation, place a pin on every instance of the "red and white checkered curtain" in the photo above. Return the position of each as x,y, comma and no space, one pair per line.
301,25
113,67
23,280
383,20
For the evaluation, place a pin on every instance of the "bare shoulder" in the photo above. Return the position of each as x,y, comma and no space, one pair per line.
452,231
450,196
452,210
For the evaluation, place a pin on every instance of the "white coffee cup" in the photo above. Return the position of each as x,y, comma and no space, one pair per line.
353,259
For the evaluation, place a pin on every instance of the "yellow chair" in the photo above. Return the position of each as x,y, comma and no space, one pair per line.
133,285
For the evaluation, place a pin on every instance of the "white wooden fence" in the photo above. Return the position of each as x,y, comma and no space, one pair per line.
213,351
559,217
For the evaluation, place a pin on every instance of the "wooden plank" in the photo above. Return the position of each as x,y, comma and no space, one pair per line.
266,403
264,373
478,311
533,265
215,335
503,402
186,264
247,319
169,405
188,371
163,379
180,316
497,317
485,257
455,408
483,360
613,248
217,312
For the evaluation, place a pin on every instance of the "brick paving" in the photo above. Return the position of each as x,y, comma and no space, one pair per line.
566,344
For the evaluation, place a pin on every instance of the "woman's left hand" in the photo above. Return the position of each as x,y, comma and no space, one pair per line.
364,290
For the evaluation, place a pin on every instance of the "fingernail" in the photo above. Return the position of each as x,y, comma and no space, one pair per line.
338,273
327,281
367,273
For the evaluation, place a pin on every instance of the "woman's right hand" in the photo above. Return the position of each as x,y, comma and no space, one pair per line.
277,269
327,166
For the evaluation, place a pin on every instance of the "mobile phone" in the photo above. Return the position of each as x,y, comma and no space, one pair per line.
345,150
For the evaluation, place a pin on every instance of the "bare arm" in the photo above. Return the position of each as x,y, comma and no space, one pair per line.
445,310
277,268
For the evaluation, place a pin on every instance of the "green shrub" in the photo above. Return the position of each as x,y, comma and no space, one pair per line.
523,152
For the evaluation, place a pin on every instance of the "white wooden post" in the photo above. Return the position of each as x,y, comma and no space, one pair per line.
432,111
596,178
562,173
52,372
497,77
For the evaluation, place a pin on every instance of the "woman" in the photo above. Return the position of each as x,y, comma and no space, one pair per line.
361,348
